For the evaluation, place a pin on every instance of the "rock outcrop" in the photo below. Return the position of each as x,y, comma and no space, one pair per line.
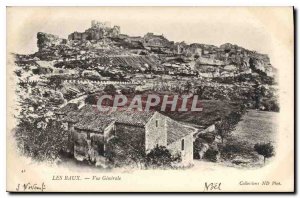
229,57
45,40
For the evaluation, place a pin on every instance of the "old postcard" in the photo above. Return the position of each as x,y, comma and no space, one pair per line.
150,99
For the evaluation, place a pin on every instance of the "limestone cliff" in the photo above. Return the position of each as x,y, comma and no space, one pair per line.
233,56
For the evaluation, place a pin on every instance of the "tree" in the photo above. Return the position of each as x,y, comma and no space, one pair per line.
266,150
196,56
225,127
55,82
127,91
259,94
234,117
110,89
200,90
187,86
243,109
69,95
91,99
41,140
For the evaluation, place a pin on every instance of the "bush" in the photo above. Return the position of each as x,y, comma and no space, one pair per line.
271,105
69,95
235,148
229,151
41,140
55,82
211,155
119,154
91,99
208,137
160,157
199,148
232,148
127,91
110,89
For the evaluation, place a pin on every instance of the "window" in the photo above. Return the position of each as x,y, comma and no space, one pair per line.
156,123
114,132
182,144
88,136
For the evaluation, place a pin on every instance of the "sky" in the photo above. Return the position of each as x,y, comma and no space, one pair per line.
254,29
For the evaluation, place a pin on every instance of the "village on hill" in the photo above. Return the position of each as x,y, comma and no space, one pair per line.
59,85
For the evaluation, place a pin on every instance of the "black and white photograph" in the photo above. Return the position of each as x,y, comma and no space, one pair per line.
108,96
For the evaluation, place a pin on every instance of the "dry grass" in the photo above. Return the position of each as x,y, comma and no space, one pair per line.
212,111
257,126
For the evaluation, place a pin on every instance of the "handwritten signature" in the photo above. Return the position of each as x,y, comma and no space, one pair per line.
212,186
31,187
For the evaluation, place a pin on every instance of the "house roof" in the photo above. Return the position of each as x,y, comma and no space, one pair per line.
89,118
76,116
94,123
67,108
137,118
175,131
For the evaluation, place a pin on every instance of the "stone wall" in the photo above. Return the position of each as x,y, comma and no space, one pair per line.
156,132
88,148
187,153
131,135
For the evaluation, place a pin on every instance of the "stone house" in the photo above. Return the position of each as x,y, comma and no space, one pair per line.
90,132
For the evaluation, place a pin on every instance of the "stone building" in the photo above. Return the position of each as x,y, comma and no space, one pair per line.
152,40
91,131
97,31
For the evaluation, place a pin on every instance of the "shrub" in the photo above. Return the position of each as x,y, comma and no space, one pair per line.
91,99
211,155
41,140
199,148
55,82
230,150
127,91
160,157
110,89
69,95
208,137
119,154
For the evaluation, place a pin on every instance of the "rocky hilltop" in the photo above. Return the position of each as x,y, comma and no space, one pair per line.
113,55
206,60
